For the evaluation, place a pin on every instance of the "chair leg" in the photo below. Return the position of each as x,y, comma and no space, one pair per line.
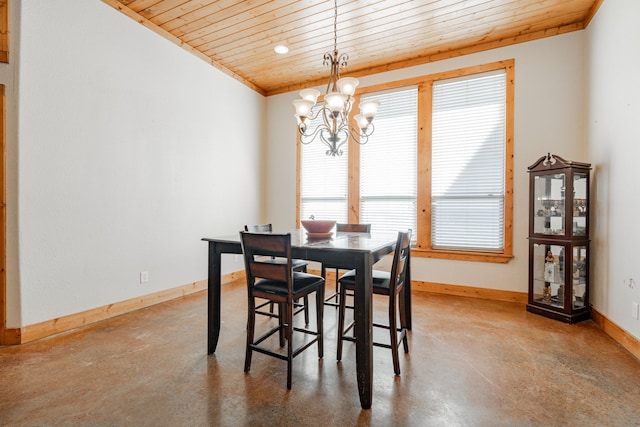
320,320
393,334
289,330
403,321
282,314
251,326
341,314
306,310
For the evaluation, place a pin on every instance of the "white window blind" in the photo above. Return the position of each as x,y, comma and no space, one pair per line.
323,180
468,162
388,183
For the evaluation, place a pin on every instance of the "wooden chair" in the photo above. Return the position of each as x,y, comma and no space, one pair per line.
278,282
298,265
342,228
390,284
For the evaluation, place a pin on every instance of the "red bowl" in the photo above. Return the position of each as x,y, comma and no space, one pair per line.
317,226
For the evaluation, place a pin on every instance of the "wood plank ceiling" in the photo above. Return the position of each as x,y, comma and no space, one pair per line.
238,36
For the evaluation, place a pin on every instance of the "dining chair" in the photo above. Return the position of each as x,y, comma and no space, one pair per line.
390,284
298,265
341,228
279,283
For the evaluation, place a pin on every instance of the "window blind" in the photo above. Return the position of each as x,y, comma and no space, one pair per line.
388,163
323,180
468,162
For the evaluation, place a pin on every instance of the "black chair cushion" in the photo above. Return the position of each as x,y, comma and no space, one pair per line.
301,281
381,279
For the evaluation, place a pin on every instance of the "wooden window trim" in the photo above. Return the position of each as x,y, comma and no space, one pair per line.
423,233
4,31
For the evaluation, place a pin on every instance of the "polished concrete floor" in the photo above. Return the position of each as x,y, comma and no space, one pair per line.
471,363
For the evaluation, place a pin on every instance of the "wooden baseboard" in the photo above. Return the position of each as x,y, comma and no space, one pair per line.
14,336
469,291
36,331
619,335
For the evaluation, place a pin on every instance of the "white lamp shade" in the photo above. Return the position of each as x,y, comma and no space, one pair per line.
303,107
310,95
369,109
361,121
347,85
335,101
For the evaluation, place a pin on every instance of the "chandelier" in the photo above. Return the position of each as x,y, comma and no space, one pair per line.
335,129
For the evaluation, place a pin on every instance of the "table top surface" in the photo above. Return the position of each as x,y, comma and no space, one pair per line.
337,241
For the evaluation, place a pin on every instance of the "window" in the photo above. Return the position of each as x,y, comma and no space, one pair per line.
323,181
388,187
439,162
467,159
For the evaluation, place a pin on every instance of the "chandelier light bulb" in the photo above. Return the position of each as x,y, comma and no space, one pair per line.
303,107
369,109
335,101
361,121
310,95
347,85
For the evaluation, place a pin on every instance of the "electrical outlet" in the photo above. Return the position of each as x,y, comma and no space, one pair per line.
144,276
634,310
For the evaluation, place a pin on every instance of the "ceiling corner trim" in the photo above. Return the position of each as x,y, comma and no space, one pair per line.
175,40
592,12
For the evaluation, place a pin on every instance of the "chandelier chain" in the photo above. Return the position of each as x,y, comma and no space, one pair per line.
335,26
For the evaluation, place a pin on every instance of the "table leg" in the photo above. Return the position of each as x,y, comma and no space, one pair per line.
213,299
364,329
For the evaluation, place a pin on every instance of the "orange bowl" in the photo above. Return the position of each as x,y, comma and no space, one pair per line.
317,226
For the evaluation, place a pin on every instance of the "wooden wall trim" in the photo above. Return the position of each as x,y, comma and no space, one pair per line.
3,218
47,328
4,31
592,12
619,335
54,326
439,55
470,291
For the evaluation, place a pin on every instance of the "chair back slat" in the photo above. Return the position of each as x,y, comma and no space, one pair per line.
271,271
353,228
259,228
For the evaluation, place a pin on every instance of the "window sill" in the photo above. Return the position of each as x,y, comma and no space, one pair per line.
462,256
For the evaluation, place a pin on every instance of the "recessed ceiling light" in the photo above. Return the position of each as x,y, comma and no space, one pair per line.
281,49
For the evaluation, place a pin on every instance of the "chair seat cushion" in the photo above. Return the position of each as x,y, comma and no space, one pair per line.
301,282
381,279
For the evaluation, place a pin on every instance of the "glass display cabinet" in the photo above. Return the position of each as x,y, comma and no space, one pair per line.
559,239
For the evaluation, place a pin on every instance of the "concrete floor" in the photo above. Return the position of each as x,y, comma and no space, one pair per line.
471,363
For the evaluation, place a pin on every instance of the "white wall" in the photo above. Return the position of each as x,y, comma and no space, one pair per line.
129,151
613,40
549,111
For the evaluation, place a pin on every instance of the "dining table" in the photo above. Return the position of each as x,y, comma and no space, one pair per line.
359,251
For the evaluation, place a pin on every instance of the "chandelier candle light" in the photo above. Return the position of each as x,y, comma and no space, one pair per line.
335,130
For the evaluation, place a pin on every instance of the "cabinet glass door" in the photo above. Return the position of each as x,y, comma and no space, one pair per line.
580,204
548,275
579,276
549,204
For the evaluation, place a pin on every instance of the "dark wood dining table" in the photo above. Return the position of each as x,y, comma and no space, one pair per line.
359,251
